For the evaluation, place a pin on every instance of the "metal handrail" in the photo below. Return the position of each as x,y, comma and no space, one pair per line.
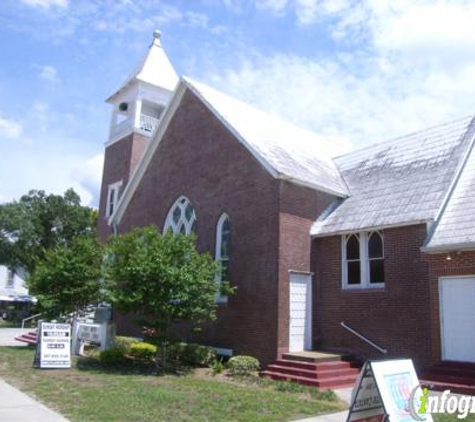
27,319
362,337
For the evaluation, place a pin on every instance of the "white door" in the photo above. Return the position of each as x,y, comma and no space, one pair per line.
300,324
457,314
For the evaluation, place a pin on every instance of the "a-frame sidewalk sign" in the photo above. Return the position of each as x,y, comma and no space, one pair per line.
53,347
387,391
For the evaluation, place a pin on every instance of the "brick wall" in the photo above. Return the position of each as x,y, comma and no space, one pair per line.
396,318
298,209
460,264
120,160
199,158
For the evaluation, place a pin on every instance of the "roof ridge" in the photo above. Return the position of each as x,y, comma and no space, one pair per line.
403,137
455,182
247,104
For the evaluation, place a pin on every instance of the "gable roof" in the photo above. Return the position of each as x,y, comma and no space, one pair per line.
455,228
286,151
399,182
154,68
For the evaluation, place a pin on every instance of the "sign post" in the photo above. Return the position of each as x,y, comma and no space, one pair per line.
387,391
53,349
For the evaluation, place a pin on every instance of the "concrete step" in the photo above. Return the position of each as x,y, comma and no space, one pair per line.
458,377
453,387
29,338
314,357
313,373
314,365
454,379
333,382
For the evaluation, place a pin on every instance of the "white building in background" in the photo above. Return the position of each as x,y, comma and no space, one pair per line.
15,301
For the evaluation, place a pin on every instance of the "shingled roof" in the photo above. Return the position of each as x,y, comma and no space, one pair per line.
289,151
455,228
399,182
285,150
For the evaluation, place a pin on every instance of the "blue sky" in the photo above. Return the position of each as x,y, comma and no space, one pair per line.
357,71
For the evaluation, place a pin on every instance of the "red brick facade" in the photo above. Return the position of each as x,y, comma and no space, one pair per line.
459,264
396,318
198,157
121,159
299,207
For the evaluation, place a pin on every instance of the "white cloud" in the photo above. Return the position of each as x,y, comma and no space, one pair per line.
88,179
357,99
9,128
46,4
120,18
411,64
48,74
277,6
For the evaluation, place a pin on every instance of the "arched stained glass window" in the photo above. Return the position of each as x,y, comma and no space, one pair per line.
181,218
222,253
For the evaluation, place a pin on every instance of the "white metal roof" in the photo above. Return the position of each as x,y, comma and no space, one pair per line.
154,68
286,151
291,152
456,226
405,180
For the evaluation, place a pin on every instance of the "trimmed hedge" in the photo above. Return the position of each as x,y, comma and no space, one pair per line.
125,343
243,365
191,354
142,351
112,357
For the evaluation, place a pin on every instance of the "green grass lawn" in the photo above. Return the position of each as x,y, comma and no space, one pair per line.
89,392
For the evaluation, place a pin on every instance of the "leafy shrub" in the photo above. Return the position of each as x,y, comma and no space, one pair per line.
142,351
243,365
125,343
112,357
197,355
217,367
174,351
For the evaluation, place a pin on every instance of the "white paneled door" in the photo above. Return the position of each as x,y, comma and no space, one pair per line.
457,317
300,324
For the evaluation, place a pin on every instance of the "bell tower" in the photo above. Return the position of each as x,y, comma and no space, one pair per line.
137,107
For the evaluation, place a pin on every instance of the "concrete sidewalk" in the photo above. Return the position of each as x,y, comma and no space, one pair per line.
344,394
16,406
7,336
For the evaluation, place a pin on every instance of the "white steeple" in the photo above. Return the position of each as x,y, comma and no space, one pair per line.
140,101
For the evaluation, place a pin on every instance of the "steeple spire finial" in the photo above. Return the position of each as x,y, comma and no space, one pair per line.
156,37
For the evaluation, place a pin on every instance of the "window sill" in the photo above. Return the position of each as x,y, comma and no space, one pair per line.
364,289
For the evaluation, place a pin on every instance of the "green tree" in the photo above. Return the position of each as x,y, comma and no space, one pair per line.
38,222
161,279
69,277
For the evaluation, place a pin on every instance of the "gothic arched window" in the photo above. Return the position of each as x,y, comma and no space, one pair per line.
222,253
181,218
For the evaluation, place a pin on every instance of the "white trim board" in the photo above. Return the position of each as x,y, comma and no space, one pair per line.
183,85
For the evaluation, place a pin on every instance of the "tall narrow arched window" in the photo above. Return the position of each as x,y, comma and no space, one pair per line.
363,260
181,218
222,253
376,258
353,261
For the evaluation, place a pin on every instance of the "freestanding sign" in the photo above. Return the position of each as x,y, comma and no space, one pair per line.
53,349
101,335
387,390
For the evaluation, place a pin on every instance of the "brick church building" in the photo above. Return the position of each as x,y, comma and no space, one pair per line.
371,253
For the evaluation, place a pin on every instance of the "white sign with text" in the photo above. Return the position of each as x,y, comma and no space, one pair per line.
55,345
